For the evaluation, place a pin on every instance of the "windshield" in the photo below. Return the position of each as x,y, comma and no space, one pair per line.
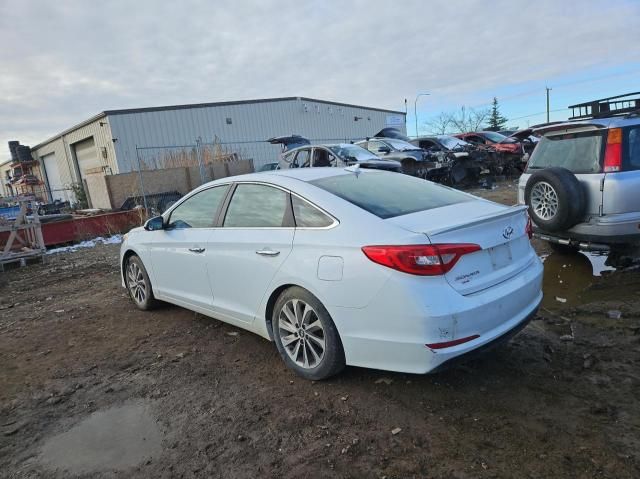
352,153
387,195
451,142
496,137
577,152
400,145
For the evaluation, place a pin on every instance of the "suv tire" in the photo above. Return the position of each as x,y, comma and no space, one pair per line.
555,199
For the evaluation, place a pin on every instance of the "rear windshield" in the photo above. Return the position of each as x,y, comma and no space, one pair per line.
577,152
387,195
632,148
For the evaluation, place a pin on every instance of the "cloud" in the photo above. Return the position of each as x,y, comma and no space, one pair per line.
70,60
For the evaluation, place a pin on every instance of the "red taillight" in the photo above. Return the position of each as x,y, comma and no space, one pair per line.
529,228
613,151
455,342
422,260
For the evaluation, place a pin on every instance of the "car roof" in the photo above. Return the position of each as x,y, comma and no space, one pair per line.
325,145
302,174
612,122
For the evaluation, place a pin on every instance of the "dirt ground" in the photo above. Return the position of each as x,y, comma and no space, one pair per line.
78,364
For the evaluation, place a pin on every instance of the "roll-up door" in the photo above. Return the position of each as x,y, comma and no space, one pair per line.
54,181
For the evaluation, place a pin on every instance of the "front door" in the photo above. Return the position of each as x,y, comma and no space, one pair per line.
179,252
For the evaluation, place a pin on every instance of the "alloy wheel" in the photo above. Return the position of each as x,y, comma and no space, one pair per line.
136,283
544,200
301,333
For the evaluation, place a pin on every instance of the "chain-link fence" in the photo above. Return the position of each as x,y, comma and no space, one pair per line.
164,173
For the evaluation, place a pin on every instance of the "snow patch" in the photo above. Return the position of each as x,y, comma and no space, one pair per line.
115,239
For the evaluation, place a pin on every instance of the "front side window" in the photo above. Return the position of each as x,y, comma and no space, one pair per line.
578,152
199,210
307,215
257,206
302,159
374,146
387,195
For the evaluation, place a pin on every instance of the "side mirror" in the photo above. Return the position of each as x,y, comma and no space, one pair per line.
154,224
384,149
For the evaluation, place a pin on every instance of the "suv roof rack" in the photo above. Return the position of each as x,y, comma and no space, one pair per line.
627,104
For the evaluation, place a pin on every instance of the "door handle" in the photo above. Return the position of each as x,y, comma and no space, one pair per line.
267,252
196,250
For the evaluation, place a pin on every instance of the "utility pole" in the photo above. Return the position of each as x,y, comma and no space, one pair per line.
406,126
415,109
548,90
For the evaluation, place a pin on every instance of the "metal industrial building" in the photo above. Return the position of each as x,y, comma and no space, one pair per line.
111,142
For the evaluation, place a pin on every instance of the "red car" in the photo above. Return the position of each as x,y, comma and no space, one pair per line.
498,142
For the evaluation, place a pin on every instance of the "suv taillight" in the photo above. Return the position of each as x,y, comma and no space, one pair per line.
421,260
613,151
529,228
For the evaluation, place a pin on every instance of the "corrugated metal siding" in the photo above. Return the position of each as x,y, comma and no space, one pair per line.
61,148
250,122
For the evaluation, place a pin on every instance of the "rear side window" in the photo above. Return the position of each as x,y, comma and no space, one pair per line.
578,152
387,195
200,210
257,206
632,149
307,215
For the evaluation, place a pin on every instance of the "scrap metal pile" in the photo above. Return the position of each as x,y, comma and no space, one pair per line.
467,159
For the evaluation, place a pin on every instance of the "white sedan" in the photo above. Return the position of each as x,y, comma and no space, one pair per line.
342,266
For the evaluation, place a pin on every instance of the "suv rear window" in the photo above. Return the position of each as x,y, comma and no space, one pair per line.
387,195
578,152
632,148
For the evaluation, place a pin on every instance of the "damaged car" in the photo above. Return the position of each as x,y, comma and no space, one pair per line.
338,155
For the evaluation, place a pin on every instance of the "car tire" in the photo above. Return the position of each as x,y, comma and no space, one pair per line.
555,199
306,336
138,284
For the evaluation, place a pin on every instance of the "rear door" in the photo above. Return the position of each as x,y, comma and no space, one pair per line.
622,189
246,252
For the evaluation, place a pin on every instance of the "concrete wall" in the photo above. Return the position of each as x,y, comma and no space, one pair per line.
182,180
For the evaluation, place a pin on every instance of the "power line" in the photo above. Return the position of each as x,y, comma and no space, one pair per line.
539,113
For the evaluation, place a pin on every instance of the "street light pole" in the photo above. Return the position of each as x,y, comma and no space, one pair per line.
415,109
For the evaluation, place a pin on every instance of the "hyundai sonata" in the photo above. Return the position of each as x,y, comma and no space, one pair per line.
342,266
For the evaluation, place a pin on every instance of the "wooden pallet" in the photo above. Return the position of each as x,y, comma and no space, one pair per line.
27,233
20,261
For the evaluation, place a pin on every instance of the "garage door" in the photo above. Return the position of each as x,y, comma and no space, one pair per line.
53,178
87,156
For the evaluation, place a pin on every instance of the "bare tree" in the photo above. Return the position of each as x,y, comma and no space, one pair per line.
460,121
441,124
468,119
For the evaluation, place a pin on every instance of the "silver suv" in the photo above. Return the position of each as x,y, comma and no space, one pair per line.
582,184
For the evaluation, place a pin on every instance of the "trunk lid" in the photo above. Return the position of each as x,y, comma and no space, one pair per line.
500,231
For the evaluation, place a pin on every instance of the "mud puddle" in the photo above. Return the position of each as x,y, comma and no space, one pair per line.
567,277
113,439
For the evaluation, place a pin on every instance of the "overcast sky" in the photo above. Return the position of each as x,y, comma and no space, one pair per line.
64,61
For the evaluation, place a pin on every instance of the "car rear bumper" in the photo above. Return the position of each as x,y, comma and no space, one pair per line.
392,335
